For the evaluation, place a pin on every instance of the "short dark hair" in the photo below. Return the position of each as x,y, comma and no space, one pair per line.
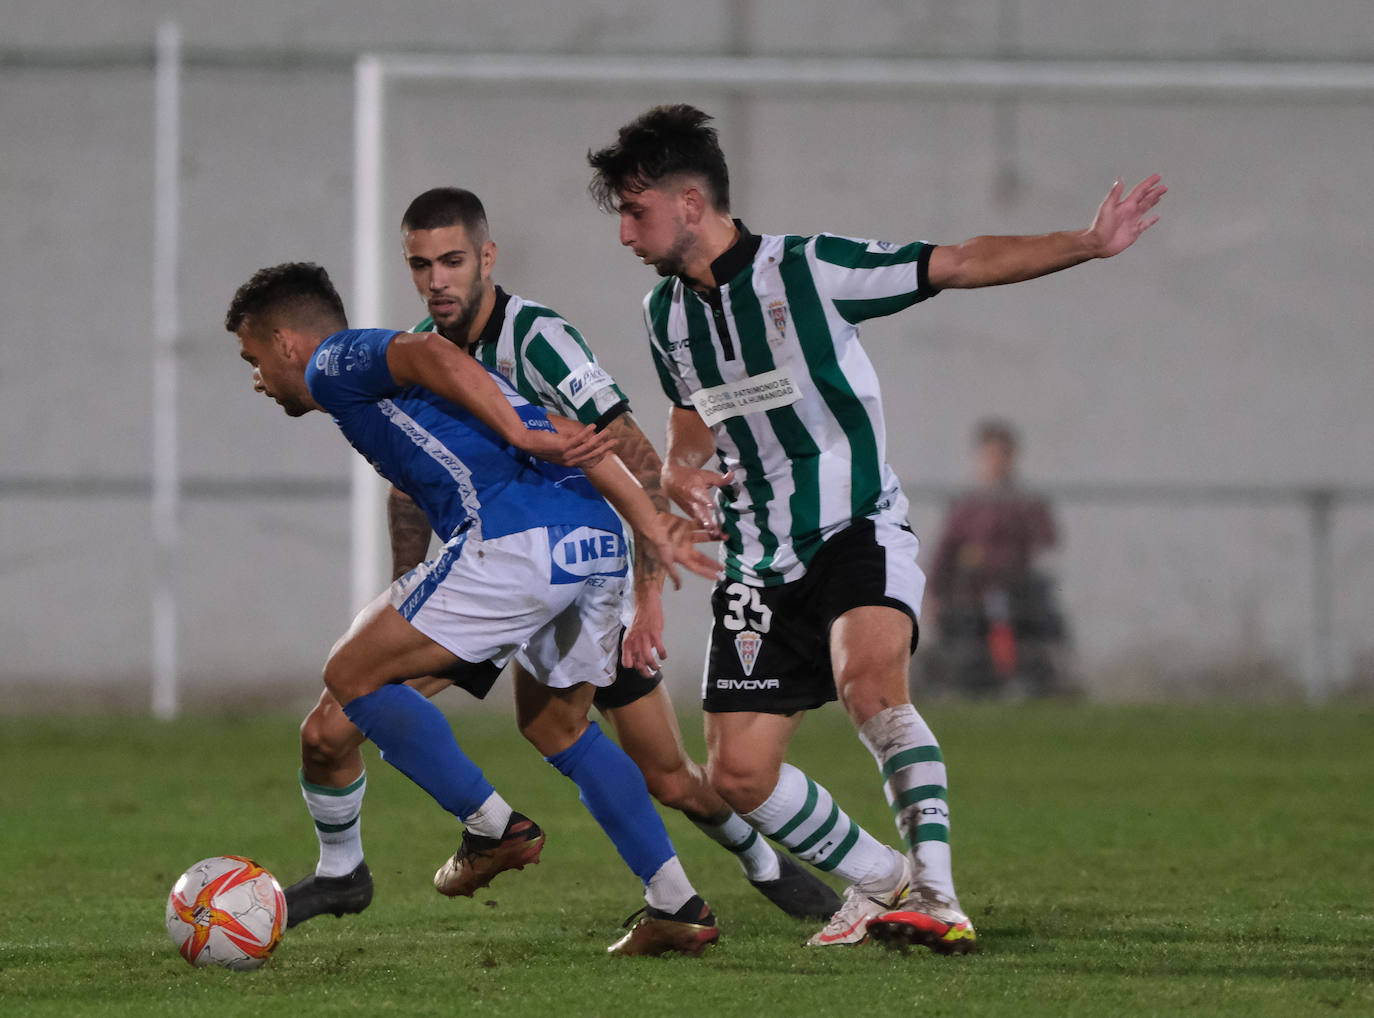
995,429
663,142
299,292
447,206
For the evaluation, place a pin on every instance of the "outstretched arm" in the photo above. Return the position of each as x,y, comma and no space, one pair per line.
428,360
989,261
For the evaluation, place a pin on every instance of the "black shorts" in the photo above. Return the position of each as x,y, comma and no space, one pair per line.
628,687
476,679
770,646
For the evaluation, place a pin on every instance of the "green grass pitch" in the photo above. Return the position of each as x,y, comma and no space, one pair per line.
1116,861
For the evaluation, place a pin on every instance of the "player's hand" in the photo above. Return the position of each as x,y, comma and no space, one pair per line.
1119,221
643,648
694,491
583,447
674,540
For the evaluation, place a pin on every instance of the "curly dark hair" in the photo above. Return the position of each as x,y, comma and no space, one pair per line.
662,142
300,291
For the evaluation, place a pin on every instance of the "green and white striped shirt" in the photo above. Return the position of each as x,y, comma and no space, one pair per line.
771,361
545,358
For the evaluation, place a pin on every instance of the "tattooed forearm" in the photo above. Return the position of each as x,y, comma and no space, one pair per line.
409,529
639,457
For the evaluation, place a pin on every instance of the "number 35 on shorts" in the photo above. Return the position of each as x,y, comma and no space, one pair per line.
744,609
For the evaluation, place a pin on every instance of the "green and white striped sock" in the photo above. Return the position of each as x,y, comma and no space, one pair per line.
801,816
757,857
337,813
916,787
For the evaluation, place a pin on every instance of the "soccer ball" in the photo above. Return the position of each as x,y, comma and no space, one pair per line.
226,911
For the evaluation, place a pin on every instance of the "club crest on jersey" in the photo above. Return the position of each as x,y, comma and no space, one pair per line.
747,645
777,311
506,367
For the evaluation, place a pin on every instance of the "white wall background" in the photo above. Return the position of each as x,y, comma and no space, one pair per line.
1232,346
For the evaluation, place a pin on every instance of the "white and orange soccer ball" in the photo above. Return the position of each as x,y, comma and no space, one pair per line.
226,911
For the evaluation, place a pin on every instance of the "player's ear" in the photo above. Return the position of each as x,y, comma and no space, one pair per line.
693,204
283,343
488,258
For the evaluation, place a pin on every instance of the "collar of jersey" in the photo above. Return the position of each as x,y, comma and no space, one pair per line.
734,259
491,332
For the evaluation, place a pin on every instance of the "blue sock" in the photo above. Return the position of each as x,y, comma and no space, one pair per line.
414,737
615,795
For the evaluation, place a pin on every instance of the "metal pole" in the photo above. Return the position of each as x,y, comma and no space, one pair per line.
166,483
1320,677
367,504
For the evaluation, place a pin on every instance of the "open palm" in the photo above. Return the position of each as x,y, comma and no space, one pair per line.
1119,221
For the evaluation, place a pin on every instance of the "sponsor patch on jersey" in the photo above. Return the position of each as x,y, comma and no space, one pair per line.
583,552
752,395
583,382
747,646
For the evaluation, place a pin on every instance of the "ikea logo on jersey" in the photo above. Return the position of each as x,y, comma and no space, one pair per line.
580,552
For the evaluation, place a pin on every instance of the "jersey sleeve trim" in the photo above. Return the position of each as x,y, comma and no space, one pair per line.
923,270
621,408
865,279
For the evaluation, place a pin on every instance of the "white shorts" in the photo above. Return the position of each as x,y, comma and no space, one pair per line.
549,597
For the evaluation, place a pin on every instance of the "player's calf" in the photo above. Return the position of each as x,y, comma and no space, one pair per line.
329,741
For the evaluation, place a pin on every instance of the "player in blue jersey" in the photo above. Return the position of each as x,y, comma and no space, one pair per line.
451,256
532,568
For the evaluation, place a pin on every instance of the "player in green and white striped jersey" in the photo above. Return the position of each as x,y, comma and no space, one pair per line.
755,339
451,259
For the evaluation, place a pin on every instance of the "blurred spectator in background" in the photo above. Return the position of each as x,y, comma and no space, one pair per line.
999,629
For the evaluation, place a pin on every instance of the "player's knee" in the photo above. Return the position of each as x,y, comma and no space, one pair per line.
347,683
674,789
551,735
742,786
327,736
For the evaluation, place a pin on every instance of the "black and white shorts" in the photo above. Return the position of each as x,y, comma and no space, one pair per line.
770,646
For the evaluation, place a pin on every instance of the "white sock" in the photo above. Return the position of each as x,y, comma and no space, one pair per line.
758,858
915,784
490,819
802,817
669,889
337,814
